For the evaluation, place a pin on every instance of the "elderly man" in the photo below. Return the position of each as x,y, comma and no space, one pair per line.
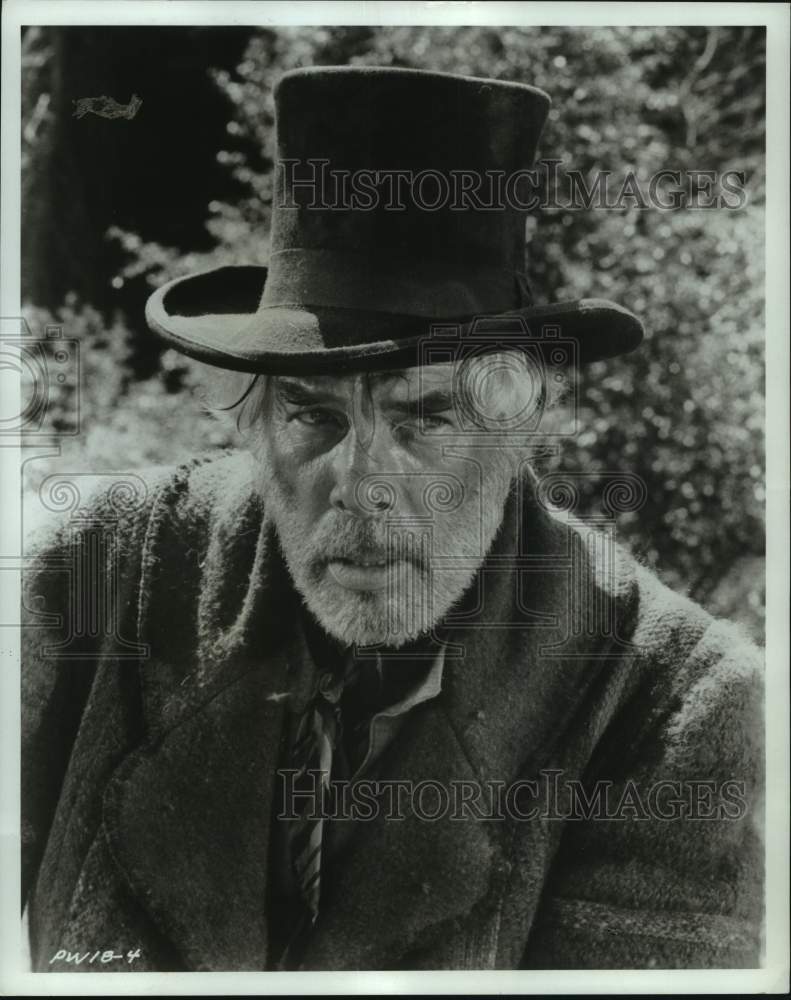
358,696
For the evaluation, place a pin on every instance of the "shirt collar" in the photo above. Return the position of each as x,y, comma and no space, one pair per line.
427,686
332,665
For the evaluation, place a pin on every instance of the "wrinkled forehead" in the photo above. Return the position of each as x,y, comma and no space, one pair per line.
404,383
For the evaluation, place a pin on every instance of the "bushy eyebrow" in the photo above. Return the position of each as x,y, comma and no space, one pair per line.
304,391
299,391
433,401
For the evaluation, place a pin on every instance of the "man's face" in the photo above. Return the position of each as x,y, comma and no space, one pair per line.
384,507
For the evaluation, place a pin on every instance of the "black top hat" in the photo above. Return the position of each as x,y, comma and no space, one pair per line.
399,204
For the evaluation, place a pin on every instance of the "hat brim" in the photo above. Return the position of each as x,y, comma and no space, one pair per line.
215,318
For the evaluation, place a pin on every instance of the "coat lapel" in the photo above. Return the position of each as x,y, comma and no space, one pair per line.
188,822
403,878
188,815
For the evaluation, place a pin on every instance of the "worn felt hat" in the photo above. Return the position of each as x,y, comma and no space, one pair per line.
397,214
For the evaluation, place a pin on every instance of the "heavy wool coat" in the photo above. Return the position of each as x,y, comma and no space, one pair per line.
154,701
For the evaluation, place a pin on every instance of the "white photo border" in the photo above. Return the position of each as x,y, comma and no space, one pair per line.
774,977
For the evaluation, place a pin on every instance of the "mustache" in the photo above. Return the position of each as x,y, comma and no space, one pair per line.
358,540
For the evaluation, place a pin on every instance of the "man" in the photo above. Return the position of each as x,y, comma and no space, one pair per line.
360,696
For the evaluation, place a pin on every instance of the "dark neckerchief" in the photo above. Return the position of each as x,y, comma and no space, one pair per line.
370,678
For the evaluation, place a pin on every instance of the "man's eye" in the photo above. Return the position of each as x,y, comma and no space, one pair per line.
318,418
424,423
431,422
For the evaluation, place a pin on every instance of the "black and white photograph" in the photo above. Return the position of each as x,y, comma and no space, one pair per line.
397,415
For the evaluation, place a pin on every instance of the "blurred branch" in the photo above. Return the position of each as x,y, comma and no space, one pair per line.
688,84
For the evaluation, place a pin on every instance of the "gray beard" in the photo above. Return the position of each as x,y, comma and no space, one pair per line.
431,565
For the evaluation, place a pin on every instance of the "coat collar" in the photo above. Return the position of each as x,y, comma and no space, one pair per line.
188,814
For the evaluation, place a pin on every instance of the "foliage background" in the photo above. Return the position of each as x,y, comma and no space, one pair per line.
112,208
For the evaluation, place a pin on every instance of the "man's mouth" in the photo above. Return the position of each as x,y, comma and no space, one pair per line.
363,573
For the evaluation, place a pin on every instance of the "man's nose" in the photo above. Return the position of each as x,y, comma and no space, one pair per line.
359,487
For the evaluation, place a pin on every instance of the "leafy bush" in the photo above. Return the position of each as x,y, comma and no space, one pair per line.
124,423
